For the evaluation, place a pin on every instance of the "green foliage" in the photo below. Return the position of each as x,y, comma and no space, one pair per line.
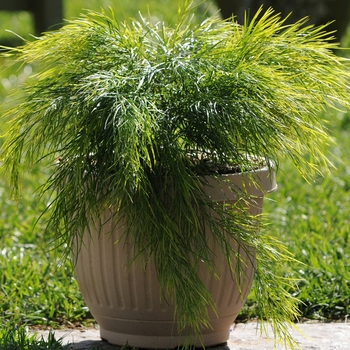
131,109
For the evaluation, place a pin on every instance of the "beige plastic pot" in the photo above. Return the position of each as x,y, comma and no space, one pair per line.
125,299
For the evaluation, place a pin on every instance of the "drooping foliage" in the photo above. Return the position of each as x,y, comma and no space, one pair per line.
136,112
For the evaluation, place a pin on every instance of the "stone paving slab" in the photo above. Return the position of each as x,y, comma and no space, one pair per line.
314,336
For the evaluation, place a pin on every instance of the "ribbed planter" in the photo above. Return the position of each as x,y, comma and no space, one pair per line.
125,299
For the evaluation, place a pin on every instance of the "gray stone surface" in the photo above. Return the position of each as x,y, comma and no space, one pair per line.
309,336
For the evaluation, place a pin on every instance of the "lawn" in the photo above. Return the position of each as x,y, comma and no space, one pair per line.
37,286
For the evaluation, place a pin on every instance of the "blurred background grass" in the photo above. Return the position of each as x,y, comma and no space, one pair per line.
22,24
38,288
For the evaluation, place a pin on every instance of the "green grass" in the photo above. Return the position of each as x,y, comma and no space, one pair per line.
14,337
36,287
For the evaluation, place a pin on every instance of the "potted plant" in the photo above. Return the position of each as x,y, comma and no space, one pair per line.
166,139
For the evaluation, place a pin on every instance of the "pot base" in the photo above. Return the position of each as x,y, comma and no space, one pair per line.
161,342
